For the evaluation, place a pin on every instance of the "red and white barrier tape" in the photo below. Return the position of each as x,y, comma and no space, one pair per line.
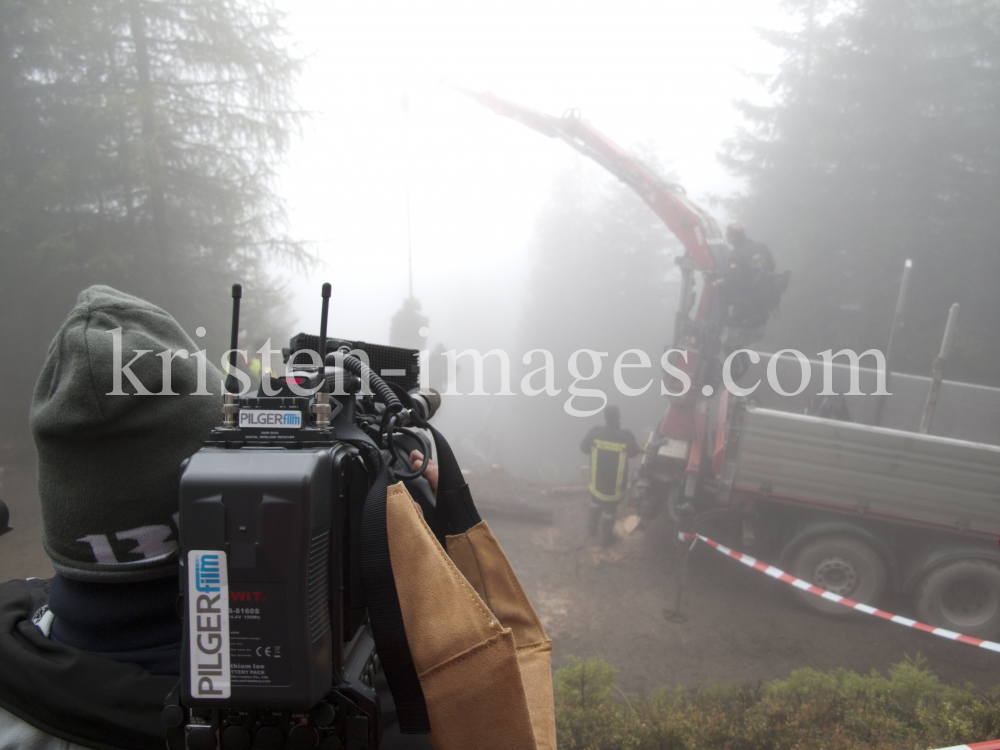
988,745
806,586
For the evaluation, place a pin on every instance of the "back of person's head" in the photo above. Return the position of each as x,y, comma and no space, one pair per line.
735,234
612,415
109,465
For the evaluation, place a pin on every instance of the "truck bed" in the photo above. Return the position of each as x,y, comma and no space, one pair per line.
918,479
964,411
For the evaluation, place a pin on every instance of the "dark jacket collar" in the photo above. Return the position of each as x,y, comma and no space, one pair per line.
128,622
71,694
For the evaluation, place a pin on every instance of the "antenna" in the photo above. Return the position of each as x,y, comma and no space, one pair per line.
327,289
230,397
409,239
321,408
231,386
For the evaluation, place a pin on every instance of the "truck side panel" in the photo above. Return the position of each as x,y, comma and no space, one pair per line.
934,480
964,411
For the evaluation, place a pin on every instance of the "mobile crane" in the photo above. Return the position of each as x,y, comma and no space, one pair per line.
858,505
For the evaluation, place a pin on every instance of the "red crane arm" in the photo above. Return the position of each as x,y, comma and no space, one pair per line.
692,225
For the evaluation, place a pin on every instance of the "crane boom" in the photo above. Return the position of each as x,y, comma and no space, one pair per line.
697,339
692,225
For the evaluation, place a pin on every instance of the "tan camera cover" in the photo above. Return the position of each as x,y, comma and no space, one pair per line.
481,653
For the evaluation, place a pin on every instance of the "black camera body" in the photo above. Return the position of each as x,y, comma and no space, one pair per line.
277,648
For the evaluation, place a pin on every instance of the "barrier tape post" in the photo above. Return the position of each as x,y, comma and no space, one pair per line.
798,583
681,556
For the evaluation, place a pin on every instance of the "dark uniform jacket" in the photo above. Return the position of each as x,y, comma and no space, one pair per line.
51,692
748,294
748,262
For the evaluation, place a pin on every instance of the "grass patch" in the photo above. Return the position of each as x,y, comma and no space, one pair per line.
810,710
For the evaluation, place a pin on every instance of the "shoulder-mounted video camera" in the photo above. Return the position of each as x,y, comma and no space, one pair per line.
285,573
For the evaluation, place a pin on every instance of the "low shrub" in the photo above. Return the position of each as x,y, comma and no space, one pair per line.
909,709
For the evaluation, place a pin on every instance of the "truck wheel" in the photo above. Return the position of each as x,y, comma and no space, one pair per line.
963,596
843,565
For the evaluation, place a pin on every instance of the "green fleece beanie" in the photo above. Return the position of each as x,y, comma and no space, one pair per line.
110,441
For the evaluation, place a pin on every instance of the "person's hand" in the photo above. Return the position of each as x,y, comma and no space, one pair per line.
431,475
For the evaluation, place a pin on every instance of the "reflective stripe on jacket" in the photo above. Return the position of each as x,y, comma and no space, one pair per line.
607,470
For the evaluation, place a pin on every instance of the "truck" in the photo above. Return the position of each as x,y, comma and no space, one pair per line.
869,484
879,513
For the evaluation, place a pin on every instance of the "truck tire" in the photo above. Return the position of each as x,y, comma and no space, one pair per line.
963,596
842,564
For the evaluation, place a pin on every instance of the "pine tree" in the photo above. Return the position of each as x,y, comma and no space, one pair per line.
138,142
883,144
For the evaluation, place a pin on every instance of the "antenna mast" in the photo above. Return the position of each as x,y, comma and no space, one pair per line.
406,157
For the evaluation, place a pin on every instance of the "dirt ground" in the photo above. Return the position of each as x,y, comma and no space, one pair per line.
740,624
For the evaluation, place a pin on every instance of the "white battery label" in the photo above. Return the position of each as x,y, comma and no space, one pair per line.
208,624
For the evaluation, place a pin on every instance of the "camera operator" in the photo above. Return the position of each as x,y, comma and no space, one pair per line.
87,658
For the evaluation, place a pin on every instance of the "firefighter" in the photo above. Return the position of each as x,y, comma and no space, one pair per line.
609,447
748,294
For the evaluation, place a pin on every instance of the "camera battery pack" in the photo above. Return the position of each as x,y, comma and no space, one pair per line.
256,528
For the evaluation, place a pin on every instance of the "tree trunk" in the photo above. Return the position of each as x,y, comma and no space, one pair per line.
150,137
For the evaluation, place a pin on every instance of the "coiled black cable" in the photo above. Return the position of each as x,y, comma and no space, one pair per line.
392,417
382,390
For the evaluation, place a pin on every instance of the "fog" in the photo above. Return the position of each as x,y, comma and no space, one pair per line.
369,179
852,140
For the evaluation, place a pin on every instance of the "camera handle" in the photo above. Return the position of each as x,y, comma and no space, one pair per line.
392,418
394,427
